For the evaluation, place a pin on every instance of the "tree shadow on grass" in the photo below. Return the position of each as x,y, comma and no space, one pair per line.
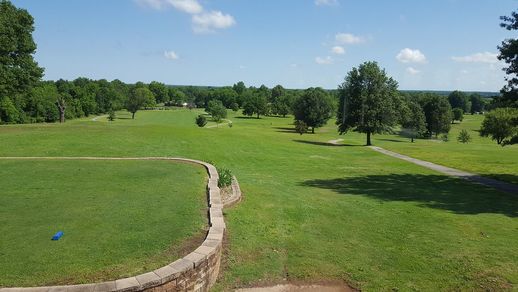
432,191
317,143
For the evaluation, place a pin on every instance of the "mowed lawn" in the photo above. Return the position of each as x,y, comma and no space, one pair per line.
482,155
119,218
315,212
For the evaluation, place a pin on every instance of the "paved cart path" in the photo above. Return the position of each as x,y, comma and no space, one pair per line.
493,183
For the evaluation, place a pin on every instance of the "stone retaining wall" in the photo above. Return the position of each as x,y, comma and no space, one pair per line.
197,271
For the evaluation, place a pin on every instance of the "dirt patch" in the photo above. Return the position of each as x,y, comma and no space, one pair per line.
335,142
293,287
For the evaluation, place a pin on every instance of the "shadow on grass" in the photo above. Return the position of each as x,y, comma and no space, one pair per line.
432,191
317,143
393,140
247,118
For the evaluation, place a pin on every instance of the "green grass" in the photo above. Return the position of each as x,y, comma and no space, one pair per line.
314,212
482,155
119,218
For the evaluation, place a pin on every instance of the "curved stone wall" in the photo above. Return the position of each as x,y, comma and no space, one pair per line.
197,271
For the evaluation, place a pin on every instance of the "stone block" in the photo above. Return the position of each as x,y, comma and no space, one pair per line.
148,280
105,287
81,288
196,258
127,284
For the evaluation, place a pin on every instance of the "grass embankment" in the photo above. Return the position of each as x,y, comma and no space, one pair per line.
317,212
119,218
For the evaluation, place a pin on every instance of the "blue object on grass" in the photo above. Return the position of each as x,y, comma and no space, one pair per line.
58,235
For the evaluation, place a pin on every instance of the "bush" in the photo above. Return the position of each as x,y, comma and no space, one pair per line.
464,137
301,127
225,177
201,121
445,138
111,116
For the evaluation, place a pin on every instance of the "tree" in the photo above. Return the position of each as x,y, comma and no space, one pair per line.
138,98
61,103
437,111
255,102
160,91
458,115
8,112
413,119
301,127
201,121
368,99
464,137
18,70
509,54
217,110
501,125
313,107
111,115
459,99
478,104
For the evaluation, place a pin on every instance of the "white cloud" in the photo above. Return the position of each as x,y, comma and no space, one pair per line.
349,39
171,55
411,56
338,50
209,21
202,21
324,60
412,71
187,6
326,2
485,57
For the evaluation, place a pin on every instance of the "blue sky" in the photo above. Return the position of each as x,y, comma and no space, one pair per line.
434,44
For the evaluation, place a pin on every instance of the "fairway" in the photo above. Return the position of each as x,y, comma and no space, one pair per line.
119,218
311,211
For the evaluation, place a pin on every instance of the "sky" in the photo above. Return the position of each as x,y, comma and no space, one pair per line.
423,44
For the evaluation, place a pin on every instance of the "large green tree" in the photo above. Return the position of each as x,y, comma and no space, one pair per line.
255,103
368,99
509,54
314,107
160,91
18,70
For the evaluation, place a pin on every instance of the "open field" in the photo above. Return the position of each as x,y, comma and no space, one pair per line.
317,212
119,218
482,155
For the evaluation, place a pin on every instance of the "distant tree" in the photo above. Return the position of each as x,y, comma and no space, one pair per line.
464,137
277,92
477,103
139,97
111,115
176,96
459,99
509,54
255,103
201,121
18,70
41,103
501,125
458,115
283,105
368,99
438,114
217,110
314,108
160,91
234,106
239,88
301,127
413,119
